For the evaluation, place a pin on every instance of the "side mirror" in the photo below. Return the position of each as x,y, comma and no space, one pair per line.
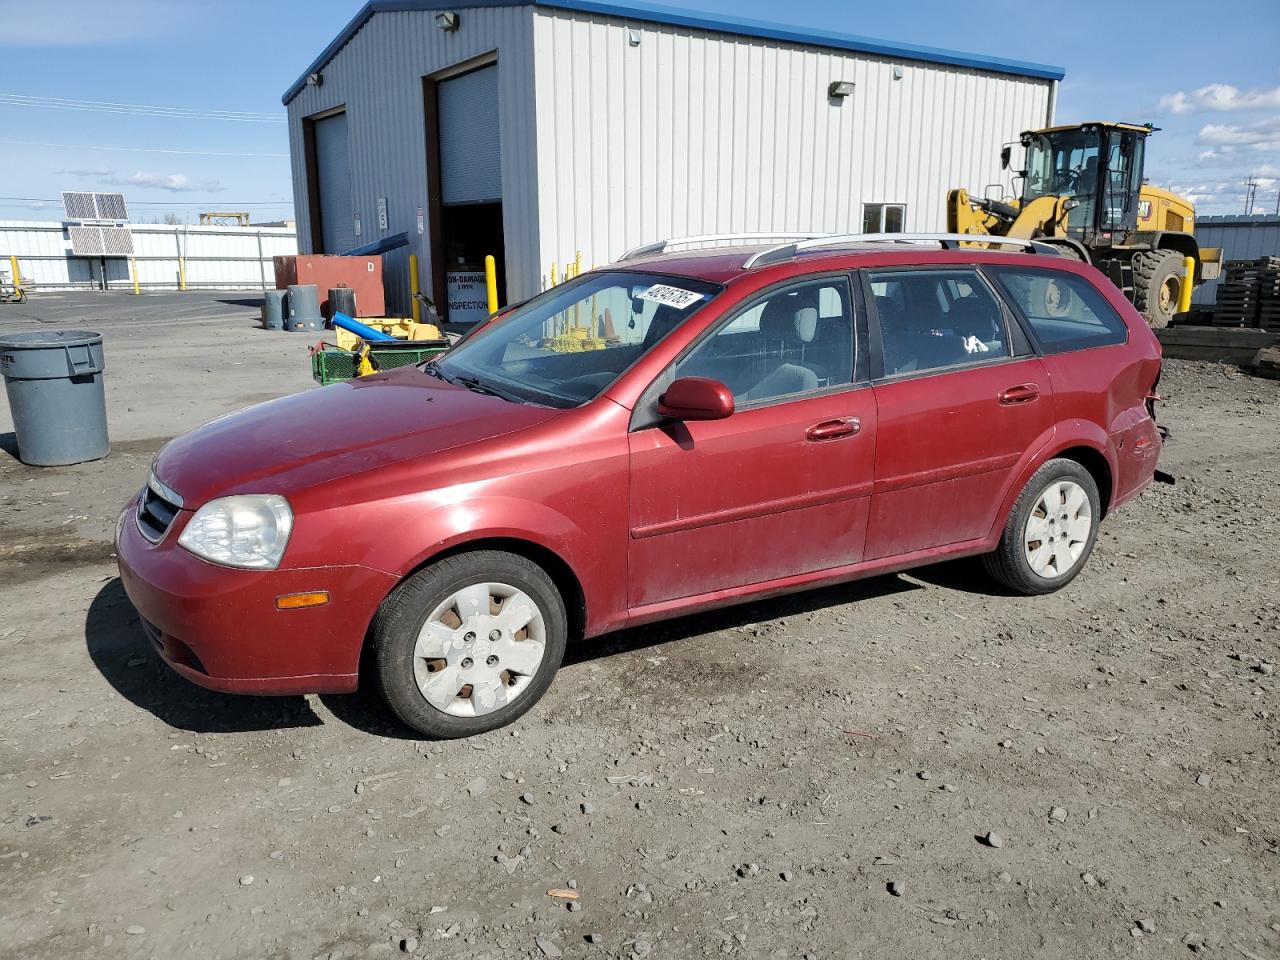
1005,155
696,398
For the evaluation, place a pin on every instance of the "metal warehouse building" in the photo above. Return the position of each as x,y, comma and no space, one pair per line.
535,130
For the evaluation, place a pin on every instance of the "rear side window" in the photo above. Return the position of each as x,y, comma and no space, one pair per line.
1065,310
932,319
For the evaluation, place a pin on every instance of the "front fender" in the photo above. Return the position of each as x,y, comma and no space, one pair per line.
599,571
446,527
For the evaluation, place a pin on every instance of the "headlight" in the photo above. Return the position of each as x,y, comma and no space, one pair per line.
248,531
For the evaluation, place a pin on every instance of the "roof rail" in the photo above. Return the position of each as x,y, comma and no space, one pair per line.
948,241
663,246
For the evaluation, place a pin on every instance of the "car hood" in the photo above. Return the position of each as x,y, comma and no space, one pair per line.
325,434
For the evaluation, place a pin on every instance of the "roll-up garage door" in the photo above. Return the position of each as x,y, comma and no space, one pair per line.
470,171
333,181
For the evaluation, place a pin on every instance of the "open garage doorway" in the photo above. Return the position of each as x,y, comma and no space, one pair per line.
464,188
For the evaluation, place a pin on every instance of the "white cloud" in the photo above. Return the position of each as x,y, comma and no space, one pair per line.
1262,135
88,173
1219,98
173,182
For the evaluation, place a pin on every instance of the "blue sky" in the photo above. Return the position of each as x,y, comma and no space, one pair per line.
1207,74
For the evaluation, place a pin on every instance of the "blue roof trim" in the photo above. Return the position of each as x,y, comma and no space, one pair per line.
656,13
672,16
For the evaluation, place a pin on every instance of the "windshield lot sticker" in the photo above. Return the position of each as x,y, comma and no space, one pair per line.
671,296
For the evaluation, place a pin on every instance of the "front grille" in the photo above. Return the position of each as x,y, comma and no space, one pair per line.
156,509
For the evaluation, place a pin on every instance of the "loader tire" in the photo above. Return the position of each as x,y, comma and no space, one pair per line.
1158,277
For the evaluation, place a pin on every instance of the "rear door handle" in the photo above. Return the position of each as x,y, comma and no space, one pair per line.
831,429
1022,393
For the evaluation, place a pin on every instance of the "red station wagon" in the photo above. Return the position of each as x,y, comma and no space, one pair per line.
677,431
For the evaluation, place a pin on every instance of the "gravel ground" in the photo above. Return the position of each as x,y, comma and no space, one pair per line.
909,766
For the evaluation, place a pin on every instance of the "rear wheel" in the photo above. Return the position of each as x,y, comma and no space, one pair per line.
1158,276
1059,299
469,643
1050,531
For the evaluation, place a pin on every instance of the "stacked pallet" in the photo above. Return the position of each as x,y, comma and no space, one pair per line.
1250,294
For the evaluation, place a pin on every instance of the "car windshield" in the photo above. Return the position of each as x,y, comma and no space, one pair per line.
566,346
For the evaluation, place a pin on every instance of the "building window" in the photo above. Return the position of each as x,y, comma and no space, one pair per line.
884,217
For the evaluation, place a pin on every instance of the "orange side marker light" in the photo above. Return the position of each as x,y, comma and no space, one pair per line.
296,601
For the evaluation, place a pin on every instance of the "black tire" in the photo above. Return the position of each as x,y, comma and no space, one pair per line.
1009,564
1158,276
402,616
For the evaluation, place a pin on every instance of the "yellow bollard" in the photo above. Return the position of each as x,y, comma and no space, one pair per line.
577,263
17,277
133,270
182,273
414,305
1188,284
554,281
491,282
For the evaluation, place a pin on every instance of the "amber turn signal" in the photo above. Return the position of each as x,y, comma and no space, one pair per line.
296,601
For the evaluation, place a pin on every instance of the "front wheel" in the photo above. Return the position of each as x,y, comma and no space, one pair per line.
1158,276
1050,531
469,643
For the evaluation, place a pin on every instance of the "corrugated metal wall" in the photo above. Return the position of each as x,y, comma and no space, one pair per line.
1241,238
695,132
217,258
378,76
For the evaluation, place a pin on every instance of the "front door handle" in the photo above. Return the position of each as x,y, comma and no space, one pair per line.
1022,393
831,429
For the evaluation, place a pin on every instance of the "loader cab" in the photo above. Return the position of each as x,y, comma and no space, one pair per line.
1098,168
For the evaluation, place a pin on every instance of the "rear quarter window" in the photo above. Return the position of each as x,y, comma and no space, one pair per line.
1066,311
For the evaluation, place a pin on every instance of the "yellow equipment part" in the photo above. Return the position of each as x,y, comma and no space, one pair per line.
397,327
364,366
1042,217
1164,210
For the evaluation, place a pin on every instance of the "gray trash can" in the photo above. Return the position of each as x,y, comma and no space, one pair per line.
54,382
273,309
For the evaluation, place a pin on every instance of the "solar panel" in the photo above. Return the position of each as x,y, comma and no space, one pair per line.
117,241
111,206
79,206
100,241
85,241
95,206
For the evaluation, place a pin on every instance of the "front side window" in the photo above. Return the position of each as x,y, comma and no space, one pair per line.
1065,310
566,346
931,319
790,341
884,217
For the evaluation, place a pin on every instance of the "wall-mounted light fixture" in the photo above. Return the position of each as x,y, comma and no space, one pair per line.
840,89
448,20
315,79
633,37
897,71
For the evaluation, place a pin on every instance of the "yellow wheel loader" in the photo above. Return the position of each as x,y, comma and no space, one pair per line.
1083,191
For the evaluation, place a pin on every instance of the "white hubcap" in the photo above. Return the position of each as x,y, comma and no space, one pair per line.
1058,529
479,649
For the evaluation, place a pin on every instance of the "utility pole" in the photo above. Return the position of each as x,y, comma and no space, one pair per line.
1250,191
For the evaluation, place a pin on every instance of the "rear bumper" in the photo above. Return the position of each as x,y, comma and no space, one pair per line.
220,629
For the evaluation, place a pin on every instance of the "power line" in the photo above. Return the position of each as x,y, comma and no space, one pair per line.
103,146
138,109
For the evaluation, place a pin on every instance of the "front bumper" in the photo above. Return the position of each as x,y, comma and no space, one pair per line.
220,628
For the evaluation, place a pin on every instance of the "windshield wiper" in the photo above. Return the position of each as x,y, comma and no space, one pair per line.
473,383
